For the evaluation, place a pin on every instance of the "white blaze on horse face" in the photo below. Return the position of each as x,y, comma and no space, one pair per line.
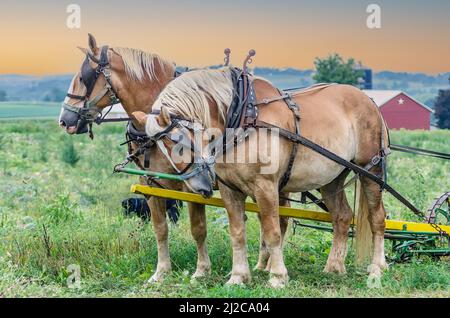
75,89
67,99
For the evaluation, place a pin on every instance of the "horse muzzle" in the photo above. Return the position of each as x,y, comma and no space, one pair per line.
72,122
203,181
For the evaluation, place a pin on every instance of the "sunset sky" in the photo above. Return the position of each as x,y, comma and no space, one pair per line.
414,37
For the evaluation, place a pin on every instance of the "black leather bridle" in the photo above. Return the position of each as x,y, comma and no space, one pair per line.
194,167
89,113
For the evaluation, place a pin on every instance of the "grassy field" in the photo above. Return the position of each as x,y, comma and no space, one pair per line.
53,214
29,110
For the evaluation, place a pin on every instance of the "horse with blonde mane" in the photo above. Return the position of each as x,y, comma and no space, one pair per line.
340,118
136,78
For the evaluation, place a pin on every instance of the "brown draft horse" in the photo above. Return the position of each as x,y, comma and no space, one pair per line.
137,78
340,118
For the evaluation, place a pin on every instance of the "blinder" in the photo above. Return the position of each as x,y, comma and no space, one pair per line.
205,165
88,77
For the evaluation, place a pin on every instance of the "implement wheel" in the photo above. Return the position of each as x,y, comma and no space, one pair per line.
439,211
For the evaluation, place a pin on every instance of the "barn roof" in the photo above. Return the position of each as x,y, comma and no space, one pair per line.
381,97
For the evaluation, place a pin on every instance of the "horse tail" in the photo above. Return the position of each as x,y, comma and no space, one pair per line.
363,229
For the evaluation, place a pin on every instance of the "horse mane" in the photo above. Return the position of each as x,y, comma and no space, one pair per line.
189,94
139,63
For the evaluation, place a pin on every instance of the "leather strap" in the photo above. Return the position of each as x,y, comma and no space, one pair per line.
147,158
339,160
296,112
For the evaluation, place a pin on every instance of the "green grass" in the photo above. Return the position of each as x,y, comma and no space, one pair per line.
54,214
29,110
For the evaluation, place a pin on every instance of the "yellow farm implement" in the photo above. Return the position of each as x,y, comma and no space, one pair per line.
408,237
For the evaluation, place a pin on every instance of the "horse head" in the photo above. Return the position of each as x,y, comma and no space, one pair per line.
108,76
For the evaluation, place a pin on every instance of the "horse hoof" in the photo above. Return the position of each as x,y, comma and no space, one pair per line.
154,280
374,270
157,278
335,267
199,274
261,267
384,266
238,280
278,281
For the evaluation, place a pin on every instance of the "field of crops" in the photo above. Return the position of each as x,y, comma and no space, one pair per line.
60,205
29,110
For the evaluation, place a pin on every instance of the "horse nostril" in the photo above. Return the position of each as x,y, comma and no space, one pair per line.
206,193
62,123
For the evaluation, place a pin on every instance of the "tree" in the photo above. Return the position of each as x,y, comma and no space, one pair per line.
55,95
3,96
442,109
333,69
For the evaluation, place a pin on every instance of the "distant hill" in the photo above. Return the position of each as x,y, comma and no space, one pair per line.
34,88
421,86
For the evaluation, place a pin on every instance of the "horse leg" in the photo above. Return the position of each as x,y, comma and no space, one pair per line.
159,223
266,195
341,215
235,205
376,217
197,217
263,258
284,222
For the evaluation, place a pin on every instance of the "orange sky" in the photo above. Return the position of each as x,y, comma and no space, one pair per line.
414,36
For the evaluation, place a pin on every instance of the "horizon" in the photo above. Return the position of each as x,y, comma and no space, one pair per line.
259,67
285,34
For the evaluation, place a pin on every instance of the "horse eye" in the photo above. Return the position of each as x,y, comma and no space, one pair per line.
81,79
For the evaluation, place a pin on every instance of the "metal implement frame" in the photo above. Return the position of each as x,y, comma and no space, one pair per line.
408,238
391,225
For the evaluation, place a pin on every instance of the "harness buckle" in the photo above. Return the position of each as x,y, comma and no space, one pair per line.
106,72
376,160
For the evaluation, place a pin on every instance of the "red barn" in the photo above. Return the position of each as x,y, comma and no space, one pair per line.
401,110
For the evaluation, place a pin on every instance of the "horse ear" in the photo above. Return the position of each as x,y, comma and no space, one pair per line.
93,44
82,49
164,117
